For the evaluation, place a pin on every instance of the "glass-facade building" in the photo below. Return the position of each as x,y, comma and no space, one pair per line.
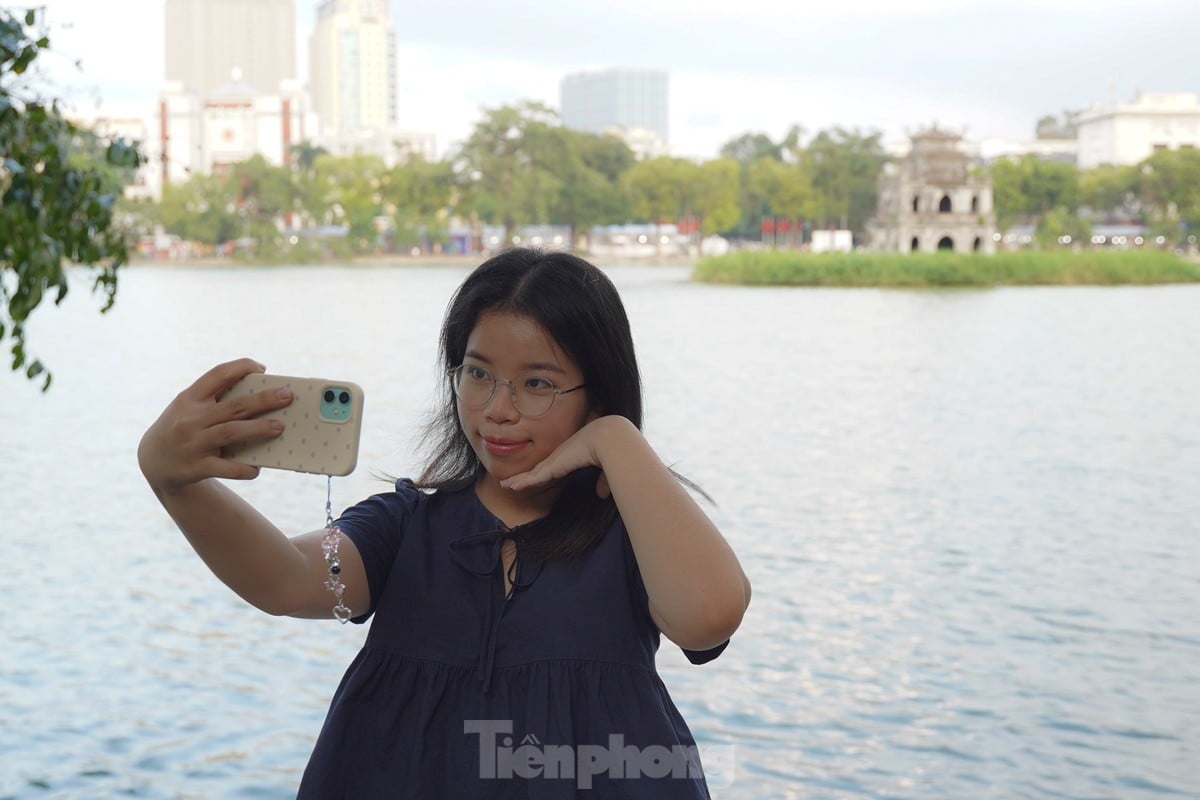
352,67
597,101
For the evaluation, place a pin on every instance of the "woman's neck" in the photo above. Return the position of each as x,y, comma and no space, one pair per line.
515,508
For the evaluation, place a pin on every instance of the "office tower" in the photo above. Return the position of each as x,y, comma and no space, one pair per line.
208,39
626,101
352,67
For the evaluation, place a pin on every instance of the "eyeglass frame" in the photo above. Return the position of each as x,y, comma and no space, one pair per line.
512,389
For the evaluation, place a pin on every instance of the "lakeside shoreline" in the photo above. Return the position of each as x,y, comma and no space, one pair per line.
395,260
798,268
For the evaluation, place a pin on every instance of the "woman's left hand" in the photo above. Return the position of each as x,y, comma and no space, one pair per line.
577,452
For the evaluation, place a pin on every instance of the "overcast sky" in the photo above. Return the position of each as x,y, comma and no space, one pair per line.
986,68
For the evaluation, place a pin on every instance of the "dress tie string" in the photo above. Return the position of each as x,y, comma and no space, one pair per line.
480,555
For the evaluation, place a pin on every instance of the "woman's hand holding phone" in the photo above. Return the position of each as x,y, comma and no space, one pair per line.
184,445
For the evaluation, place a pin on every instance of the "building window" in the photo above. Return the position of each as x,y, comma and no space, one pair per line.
975,204
916,245
944,205
978,244
945,243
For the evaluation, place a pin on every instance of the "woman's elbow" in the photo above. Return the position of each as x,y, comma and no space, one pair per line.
710,626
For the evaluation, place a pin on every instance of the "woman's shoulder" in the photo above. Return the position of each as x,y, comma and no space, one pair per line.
403,501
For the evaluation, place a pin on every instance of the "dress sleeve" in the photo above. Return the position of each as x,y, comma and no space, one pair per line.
376,526
641,600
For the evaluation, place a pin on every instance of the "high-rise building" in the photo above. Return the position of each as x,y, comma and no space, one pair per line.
630,102
208,39
352,67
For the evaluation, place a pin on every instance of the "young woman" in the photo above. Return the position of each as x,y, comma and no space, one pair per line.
519,587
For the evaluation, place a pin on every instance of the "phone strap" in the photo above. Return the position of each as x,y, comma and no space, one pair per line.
329,546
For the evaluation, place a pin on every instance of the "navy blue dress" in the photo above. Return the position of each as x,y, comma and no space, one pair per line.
459,692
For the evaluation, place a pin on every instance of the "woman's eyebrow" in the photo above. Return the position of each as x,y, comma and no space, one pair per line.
475,354
544,366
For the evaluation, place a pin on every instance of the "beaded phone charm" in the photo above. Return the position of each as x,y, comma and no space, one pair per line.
329,546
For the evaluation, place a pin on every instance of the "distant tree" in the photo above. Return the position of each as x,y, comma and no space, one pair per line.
750,147
351,189
502,166
1059,222
57,203
304,155
843,166
716,195
263,196
661,189
419,194
591,166
201,209
1169,184
1110,189
1029,187
1052,127
781,190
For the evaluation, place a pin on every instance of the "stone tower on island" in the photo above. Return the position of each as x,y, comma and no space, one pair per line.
932,200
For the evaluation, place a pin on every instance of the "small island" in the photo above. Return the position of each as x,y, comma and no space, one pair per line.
916,270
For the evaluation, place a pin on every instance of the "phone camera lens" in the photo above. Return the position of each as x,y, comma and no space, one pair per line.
344,398
328,395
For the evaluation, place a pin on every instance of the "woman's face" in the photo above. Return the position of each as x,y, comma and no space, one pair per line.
515,348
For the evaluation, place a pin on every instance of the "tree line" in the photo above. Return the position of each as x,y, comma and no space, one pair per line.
520,167
1162,193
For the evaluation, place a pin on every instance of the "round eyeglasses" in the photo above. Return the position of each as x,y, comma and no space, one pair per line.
532,394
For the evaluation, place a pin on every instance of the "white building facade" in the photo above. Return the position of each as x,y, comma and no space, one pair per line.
631,103
207,39
1128,133
205,134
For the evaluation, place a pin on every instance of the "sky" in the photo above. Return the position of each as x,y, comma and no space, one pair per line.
984,68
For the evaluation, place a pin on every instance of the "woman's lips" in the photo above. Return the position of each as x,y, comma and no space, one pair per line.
503,447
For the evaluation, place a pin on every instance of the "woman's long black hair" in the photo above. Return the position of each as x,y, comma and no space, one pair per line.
577,305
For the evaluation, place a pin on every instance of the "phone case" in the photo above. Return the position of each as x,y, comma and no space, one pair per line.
321,426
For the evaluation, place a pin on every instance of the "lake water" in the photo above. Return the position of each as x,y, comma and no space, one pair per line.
971,518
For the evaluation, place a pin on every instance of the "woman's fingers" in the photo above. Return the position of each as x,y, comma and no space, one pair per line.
252,405
224,468
218,379
226,433
184,445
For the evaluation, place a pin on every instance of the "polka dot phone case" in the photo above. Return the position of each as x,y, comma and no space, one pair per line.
321,426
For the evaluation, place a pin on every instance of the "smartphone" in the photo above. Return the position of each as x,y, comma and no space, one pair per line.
321,429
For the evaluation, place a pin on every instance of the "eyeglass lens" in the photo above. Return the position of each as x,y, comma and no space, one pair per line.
532,394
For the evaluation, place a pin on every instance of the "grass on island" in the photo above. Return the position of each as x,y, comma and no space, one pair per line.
901,270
